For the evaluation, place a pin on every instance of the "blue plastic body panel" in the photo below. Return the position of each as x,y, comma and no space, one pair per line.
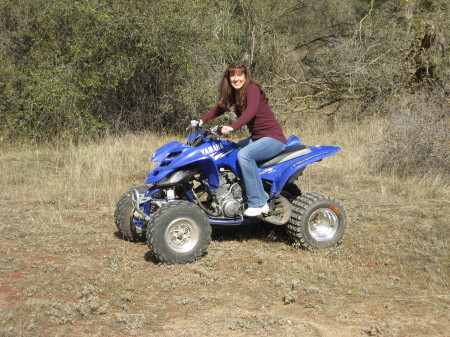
210,155
213,154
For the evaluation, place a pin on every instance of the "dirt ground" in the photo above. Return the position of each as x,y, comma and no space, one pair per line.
65,271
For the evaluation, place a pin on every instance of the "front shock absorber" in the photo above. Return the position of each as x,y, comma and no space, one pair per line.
170,194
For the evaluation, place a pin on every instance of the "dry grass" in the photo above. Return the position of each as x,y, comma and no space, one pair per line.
416,137
64,272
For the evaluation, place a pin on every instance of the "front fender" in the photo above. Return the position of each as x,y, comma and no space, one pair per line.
205,163
160,153
210,170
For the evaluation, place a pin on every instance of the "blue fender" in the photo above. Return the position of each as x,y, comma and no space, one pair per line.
161,153
293,168
209,168
175,155
293,140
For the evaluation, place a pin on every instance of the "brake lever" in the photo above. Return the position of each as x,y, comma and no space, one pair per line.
217,130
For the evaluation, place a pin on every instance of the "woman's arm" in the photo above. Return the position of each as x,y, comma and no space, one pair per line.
211,114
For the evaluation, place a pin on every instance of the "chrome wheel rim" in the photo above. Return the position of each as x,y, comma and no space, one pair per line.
182,235
323,224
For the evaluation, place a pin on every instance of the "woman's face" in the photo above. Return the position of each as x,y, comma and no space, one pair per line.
237,78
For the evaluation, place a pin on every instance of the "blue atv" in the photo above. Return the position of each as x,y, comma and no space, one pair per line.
198,184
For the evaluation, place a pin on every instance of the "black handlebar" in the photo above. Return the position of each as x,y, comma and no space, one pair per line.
218,130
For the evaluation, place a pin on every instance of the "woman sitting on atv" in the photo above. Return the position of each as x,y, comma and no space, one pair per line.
237,90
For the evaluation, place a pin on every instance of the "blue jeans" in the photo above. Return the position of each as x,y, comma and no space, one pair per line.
254,151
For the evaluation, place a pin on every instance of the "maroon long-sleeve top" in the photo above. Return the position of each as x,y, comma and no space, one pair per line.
257,115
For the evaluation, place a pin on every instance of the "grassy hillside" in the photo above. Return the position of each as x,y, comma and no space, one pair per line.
64,271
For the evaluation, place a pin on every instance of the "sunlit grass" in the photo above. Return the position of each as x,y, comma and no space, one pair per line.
103,169
57,207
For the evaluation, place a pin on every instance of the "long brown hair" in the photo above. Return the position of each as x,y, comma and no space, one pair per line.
228,96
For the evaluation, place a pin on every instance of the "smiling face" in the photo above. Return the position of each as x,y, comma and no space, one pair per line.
237,78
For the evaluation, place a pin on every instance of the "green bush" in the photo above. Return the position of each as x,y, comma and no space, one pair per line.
80,68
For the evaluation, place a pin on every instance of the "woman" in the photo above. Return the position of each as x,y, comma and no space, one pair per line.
267,140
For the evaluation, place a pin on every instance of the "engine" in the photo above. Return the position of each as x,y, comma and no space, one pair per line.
229,195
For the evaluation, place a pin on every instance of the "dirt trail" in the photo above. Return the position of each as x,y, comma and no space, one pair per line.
65,272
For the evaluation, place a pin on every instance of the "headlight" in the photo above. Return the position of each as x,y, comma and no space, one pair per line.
178,176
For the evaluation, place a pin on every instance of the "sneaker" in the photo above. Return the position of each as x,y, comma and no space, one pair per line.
255,211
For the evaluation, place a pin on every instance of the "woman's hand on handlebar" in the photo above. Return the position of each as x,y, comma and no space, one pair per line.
226,130
196,123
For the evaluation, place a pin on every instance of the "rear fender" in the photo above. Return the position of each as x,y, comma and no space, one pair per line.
293,140
292,169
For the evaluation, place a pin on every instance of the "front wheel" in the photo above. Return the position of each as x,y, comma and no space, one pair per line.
124,215
317,221
179,232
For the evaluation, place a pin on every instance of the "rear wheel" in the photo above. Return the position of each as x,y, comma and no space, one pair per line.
179,232
317,221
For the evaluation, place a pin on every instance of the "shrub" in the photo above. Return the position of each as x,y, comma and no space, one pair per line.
416,137
80,67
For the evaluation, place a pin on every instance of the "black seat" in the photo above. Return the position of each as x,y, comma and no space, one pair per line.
289,153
